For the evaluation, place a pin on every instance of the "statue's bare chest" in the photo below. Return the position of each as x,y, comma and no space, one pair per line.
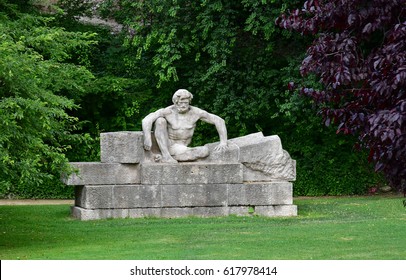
181,121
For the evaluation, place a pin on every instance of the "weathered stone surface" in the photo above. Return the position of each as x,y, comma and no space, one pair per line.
239,210
210,211
118,196
265,155
250,175
247,139
191,173
271,193
194,195
230,155
96,173
94,197
96,214
179,212
176,212
136,196
177,196
276,210
144,212
122,147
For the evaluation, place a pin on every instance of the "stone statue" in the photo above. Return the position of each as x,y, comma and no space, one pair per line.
174,127
246,175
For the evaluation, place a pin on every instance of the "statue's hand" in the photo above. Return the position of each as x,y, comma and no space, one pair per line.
147,144
221,147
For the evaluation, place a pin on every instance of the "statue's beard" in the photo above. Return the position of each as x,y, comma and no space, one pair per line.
182,110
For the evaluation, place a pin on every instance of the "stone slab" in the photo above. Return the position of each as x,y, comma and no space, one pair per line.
197,195
258,147
247,139
144,212
191,173
276,210
97,214
289,174
96,173
264,159
122,147
194,195
117,196
239,210
230,155
250,175
94,197
268,211
136,196
150,196
271,193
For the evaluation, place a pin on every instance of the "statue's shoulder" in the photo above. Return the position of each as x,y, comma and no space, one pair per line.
165,111
196,110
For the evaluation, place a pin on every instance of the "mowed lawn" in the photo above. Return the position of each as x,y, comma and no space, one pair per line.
372,227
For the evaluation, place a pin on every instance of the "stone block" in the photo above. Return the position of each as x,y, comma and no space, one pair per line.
285,173
265,155
176,212
144,212
122,147
179,212
194,195
191,173
247,139
94,197
96,173
118,196
276,210
253,147
97,214
231,154
238,210
210,211
250,175
136,196
271,193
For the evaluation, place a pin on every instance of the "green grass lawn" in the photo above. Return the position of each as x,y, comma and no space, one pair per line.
327,228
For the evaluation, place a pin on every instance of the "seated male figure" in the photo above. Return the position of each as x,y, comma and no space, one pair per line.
174,128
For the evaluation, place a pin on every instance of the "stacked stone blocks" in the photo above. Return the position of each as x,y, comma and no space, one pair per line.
128,183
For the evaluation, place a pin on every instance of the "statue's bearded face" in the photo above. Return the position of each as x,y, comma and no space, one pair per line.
183,105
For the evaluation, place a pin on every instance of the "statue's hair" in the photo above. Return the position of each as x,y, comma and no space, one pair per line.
181,93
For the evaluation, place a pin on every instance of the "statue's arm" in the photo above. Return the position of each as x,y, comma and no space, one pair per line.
220,126
147,123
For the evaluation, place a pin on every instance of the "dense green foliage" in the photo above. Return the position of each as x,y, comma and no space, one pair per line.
58,92
36,71
346,228
229,54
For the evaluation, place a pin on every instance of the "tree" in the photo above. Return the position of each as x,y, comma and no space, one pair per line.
359,54
36,72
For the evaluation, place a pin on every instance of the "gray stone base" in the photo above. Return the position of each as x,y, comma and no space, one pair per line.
252,177
179,212
179,196
269,199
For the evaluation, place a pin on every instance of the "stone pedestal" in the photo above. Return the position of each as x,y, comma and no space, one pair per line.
251,178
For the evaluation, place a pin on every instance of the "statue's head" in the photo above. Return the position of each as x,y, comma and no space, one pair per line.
182,99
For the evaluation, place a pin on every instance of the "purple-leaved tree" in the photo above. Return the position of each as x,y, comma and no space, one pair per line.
359,54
